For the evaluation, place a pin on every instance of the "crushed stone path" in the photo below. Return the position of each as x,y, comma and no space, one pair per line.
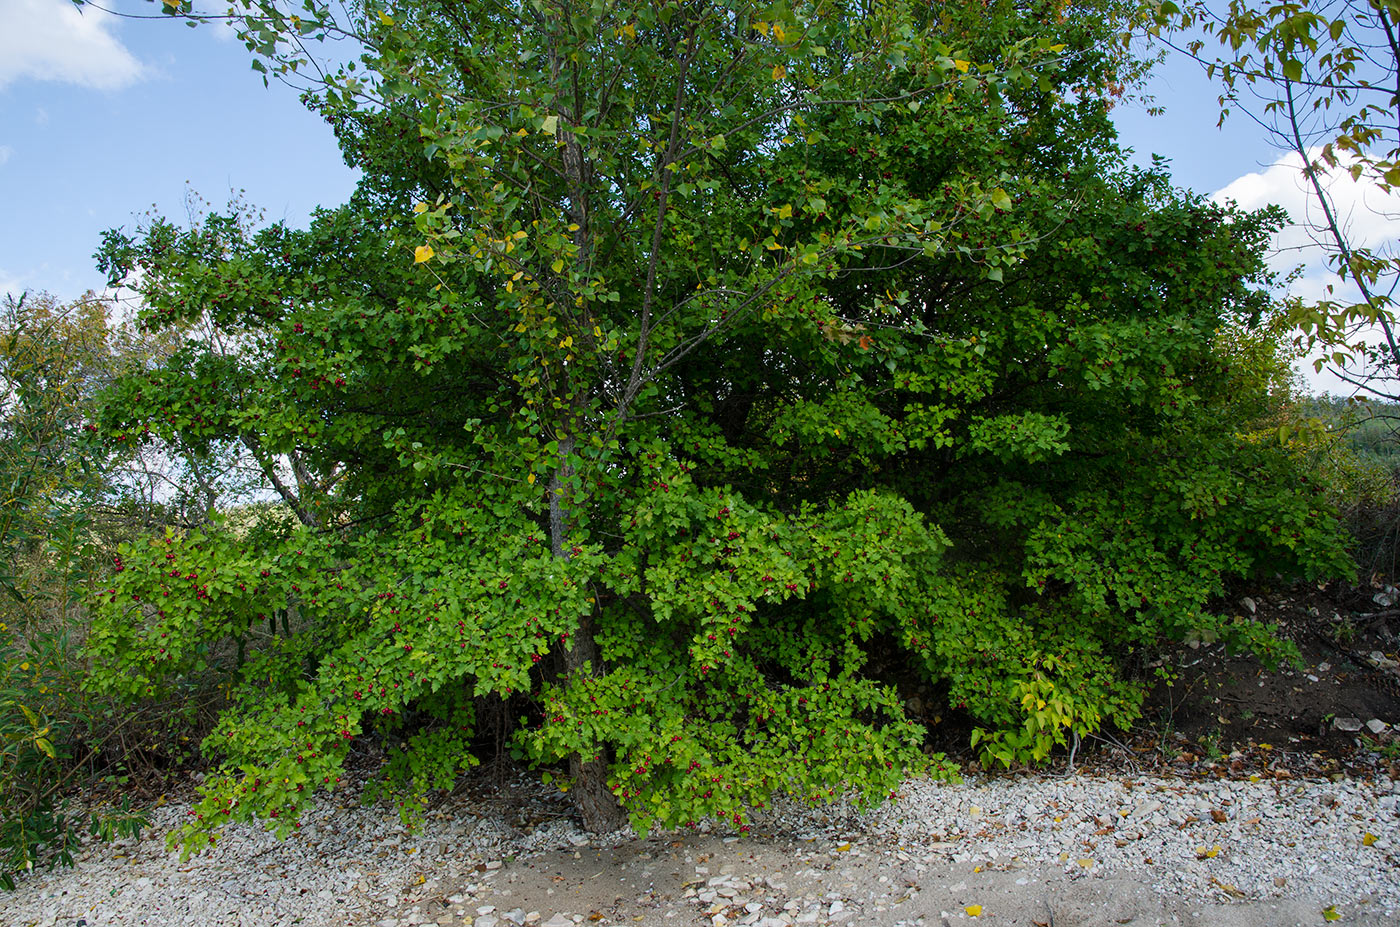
1030,850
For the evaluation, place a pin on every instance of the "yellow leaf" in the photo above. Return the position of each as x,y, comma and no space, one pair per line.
785,212
384,18
24,666
630,30
568,342
420,207
597,332
521,133
422,253
779,72
550,125
557,266
530,479
520,327
1330,914
779,32
961,65
973,910
519,235
1085,863
1369,840
761,26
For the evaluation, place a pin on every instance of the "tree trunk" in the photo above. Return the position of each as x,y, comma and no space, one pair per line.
596,804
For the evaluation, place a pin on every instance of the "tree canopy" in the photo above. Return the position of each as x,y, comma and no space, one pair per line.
684,376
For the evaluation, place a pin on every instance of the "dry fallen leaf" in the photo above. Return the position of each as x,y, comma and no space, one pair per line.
1226,888
973,910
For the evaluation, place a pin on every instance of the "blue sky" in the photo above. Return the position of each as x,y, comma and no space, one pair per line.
102,118
94,132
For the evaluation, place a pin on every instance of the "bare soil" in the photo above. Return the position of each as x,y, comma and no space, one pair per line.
1228,713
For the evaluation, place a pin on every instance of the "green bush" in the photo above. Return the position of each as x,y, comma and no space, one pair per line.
1349,447
45,726
684,420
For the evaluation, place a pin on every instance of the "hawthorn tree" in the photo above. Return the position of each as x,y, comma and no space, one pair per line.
689,373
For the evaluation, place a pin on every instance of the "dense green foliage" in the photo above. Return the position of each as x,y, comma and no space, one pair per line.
698,370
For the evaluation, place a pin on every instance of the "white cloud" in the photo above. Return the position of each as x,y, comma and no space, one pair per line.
10,285
52,40
1369,218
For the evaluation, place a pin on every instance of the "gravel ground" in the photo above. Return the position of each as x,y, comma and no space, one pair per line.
1025,850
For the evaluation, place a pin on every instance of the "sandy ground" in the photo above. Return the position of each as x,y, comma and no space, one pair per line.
646,882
